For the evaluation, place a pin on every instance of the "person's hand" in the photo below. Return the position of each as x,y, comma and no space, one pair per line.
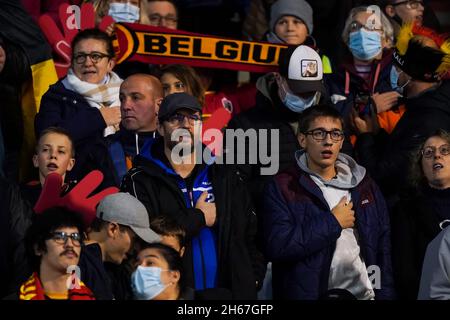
344,213
365,124
385,101
2,58
111,115
110,30
208,209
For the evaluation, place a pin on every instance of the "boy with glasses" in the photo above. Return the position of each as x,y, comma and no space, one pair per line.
325,221
54,241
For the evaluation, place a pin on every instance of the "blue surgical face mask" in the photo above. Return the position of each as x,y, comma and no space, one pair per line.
293,102
394,81
146,283
123,12
365,45
298,104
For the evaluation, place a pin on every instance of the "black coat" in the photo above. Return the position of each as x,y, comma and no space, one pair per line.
387,158
413,225
268,114
15,218
240,264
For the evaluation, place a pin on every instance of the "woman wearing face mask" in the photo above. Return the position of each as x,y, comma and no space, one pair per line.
158,274
422,212
132,11
362,83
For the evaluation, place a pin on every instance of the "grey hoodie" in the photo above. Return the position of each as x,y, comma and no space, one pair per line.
349,173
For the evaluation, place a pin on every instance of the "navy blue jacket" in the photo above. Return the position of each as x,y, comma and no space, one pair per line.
301,233
67,109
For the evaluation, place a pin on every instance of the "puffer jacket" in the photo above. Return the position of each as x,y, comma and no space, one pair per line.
301,233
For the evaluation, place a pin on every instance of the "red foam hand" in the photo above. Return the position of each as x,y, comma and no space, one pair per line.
73,19
77,199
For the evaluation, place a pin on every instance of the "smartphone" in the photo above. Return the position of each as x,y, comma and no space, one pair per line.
361,104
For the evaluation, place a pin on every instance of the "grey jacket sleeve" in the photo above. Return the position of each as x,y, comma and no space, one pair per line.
435,279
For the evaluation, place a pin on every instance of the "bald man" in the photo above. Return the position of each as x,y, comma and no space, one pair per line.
140,97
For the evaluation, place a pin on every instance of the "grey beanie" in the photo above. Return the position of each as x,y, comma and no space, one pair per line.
297,8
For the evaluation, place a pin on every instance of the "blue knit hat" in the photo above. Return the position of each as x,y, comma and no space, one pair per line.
297,8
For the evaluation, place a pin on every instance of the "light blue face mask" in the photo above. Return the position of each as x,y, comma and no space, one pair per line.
298,104
365,45
146,282
293,102
394,81
123,12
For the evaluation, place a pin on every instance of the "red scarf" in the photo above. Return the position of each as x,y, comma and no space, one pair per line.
32,290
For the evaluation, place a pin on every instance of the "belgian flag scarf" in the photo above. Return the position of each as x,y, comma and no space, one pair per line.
32,290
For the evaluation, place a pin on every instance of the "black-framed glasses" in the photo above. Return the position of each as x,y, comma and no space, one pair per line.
321,134
155,19
94,56
61,237
429,152
178,118
410,4
356,26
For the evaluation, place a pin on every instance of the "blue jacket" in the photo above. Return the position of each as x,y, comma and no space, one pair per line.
301,233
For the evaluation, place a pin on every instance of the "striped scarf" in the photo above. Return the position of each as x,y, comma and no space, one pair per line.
32,290
97,95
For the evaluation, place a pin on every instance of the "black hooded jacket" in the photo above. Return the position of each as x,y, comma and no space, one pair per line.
240,264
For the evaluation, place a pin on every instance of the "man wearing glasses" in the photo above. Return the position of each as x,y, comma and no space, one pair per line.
326,225
162,13
207,199
54,242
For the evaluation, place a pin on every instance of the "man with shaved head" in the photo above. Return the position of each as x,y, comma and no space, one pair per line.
140,97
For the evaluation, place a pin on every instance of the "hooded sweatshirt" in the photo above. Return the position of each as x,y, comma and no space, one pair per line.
348,270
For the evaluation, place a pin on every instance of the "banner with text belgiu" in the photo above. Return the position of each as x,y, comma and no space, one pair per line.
155,45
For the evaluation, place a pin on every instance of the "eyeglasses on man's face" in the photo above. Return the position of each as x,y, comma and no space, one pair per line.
61,237
429,152
94,56
178,119
155,19
321,134
410,4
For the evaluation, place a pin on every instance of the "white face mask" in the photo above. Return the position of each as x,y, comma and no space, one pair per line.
146,282
124,12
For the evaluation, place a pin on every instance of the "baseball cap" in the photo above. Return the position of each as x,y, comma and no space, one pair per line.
177,101
126,210
302,68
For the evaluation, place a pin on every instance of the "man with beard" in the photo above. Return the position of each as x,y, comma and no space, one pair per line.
54,241
208,200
